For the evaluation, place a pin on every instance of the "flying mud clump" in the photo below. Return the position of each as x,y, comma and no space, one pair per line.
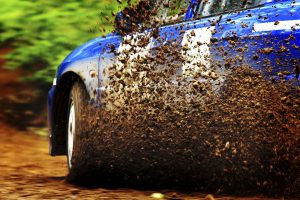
168,120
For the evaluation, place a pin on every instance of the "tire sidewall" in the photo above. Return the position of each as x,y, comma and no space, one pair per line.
78,95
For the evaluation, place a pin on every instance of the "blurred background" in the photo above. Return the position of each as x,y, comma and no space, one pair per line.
35,36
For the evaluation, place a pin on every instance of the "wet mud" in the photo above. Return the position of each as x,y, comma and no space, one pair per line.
244,140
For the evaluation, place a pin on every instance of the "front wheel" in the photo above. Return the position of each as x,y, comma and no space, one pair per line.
78,102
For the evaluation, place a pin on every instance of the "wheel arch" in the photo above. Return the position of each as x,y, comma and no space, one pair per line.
58,138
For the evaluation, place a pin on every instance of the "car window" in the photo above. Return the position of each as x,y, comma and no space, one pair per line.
178,7
171,9
212,7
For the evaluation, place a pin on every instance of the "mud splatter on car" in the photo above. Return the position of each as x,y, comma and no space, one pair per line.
195,106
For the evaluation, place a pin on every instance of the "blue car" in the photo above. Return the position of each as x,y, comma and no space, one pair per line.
265,34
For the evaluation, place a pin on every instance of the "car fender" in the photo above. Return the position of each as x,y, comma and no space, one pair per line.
87,70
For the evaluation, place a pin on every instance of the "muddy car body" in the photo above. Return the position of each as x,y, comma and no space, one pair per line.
265,34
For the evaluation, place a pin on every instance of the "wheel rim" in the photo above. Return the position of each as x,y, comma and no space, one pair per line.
71,133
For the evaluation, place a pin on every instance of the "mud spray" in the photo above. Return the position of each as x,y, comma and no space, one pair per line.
165,120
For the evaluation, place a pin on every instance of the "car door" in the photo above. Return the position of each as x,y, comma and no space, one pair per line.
216,40
277,29
260,34
231,38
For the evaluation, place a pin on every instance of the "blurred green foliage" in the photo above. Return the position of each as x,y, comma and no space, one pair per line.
43,32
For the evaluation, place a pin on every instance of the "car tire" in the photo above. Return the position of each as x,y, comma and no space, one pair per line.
78,102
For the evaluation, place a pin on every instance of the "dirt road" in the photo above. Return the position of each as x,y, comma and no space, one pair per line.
28,172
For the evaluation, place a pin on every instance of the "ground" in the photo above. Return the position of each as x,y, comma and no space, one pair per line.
28,172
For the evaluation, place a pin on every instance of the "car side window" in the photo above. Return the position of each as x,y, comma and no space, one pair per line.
178,7
169,10
213,7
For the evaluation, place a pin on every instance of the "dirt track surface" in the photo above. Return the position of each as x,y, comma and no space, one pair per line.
28,172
